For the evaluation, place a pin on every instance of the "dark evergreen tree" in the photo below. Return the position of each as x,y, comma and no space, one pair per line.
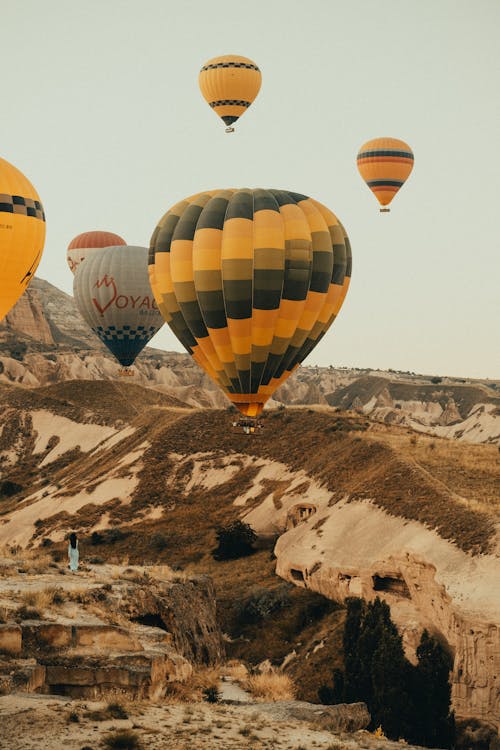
407,702
434,724
331,695
354,673
391,706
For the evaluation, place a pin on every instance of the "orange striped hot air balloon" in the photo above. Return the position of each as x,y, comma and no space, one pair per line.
229,84
86,243
385,164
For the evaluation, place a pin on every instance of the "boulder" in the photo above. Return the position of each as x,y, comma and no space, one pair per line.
343,717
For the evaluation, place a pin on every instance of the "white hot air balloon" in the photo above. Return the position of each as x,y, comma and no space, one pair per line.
113,294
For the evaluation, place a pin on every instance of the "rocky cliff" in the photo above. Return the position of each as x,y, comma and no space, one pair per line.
114,629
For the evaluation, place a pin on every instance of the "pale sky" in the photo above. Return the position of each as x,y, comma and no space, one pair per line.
100,108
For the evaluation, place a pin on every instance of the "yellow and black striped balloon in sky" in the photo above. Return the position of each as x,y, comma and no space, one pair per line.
229,84
385,164
22,234
249,281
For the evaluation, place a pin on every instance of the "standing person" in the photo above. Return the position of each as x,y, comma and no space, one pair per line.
73,553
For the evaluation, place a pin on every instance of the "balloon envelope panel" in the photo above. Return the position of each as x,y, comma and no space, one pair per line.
81,246
249,281
229,84
385,164
113,295
22,234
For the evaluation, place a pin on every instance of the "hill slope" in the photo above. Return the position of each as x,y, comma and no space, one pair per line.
359,508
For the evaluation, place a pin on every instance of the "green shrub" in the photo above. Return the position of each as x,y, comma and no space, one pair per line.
212,694
159,541
123,740
234,540
263,603
116,711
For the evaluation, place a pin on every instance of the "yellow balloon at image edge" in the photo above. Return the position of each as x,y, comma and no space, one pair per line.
249,281
22,234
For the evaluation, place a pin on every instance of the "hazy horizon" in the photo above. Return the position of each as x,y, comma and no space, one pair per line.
104,115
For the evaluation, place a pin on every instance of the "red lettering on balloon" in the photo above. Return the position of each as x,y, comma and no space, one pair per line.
110,286
123,304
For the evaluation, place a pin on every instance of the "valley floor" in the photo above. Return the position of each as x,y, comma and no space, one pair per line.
42,722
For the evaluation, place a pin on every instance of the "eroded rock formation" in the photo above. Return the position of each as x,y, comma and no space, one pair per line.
165,627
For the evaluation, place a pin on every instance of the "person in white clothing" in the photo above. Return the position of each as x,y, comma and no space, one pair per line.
73,553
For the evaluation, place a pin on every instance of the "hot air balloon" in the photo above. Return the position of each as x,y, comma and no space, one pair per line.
113,295
22,234
229,84
385,164
249,281
84,244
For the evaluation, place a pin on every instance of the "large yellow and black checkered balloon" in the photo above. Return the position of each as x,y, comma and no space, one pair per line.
229,84
22,234
249,281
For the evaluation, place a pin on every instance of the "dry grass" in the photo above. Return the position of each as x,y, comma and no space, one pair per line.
193,689
40,598
271,686
470,471
31,561
235,670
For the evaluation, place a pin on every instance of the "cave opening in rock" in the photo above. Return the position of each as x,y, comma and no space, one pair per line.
152,620
297,575
391,585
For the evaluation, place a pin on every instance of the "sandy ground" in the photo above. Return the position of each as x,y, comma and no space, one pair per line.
38,722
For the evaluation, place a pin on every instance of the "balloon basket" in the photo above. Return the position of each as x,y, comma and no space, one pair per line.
384,210
247,426
229,129
125,373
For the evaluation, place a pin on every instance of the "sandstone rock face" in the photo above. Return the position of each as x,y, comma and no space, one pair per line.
28,317
21,675
187,611
355,549
104,638
171,625
10,639
38,635
141,675
450,414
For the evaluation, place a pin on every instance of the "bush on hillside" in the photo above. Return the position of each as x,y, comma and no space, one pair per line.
234,540
262,603
159,541
108,536
123,740
8,488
